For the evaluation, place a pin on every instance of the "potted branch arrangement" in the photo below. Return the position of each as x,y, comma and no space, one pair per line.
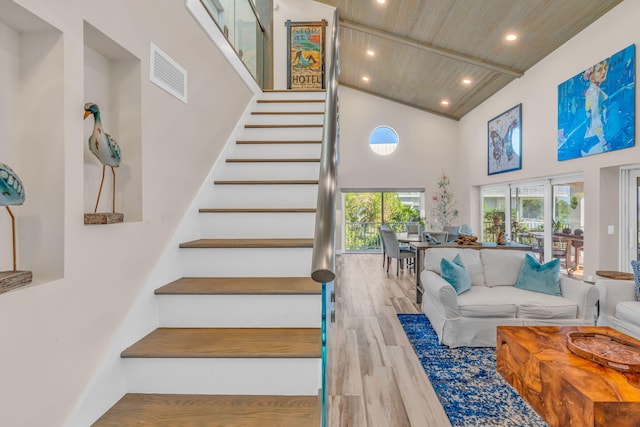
444,210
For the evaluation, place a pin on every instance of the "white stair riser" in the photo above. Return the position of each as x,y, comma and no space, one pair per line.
257,225
277,150
258,376
294,95
257,196
290,106
250,262
240,311
290,119
268,170
284,133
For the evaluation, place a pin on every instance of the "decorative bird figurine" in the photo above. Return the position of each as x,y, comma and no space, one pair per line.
11,193
105,148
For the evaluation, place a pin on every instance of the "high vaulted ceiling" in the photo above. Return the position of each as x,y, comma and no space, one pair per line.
424,48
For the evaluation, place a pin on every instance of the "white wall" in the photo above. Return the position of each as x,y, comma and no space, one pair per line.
55,334
537,91
428,147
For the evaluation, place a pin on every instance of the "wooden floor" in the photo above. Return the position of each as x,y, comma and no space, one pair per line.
376,379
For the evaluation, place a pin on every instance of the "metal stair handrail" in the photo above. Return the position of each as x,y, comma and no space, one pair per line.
323,261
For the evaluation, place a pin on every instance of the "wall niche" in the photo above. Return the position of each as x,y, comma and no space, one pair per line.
32,140
113,81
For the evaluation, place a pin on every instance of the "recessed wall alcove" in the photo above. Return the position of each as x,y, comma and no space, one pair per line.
32,140
112,80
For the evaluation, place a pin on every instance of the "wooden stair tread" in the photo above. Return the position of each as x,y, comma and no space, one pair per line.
293,90
281,126
268,182
228,342
279,142
257,210
192,410
271,160
248,243
275,101
285,112
241,285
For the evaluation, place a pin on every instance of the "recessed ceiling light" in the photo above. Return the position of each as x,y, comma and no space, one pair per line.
365,78
444,102
381,1
370,52
511,37
466,82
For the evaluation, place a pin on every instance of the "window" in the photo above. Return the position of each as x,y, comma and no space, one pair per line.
383,140
540,212
365,211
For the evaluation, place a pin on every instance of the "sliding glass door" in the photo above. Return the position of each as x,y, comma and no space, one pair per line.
630,221
364,212
546,214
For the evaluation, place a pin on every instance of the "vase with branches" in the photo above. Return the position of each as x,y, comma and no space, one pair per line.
444,210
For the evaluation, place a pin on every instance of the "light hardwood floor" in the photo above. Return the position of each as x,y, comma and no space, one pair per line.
376,378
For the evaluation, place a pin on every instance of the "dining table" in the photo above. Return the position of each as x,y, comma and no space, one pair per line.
573,241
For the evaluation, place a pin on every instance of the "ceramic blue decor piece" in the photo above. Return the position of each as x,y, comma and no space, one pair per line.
12,194
11,189
104,147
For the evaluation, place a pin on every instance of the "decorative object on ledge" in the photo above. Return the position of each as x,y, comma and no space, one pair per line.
12,193
596,107
305,55
501,239
613,352
467,240
107,151
103,218
505,141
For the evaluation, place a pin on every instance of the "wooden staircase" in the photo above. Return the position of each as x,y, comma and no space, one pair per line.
239,338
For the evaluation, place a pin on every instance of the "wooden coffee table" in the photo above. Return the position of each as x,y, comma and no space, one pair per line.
566,389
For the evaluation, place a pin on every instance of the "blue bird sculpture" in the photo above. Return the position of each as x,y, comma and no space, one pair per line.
104,147
11,193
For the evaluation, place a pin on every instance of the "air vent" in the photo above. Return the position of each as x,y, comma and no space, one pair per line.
166,73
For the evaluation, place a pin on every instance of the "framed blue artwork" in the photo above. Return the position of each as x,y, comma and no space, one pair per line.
596,108
504,133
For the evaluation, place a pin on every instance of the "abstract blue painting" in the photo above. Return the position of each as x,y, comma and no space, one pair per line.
596,108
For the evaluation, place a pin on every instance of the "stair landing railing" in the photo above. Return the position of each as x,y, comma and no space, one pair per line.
323,261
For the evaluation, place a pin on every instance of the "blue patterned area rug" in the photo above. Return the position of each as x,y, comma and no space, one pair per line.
466,381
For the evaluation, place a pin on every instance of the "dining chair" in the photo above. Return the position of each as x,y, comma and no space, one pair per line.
452,232
392,250
384,251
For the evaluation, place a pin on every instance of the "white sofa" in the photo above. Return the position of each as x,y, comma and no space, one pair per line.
470,319
618,306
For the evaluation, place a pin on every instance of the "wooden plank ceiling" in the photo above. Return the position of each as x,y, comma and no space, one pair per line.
424,48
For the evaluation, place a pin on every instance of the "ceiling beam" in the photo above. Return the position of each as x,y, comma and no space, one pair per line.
427,47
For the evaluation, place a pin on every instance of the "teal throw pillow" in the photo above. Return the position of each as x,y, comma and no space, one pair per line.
538,277
456,274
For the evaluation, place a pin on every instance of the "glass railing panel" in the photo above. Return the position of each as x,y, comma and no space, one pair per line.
242,27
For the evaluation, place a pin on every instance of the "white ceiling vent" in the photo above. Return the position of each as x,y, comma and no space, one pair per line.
166,73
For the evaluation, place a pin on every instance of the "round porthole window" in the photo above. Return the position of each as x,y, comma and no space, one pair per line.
383,140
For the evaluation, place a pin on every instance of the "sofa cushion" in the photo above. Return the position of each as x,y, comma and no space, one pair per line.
470,258
629,312
456,274
537,305
501,267
484,302
538,277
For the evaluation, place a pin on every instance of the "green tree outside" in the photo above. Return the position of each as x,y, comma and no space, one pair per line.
363,215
